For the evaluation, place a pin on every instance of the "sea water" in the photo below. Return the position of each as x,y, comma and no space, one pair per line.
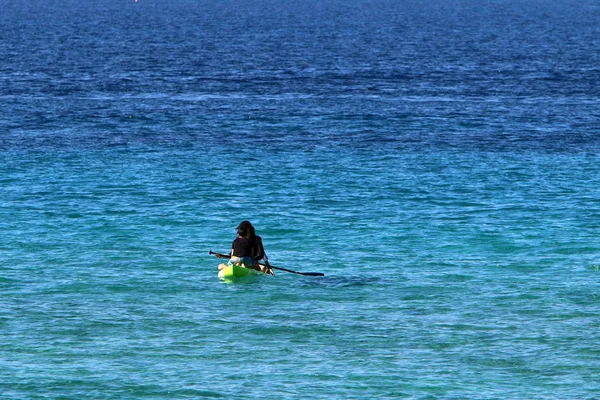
437,160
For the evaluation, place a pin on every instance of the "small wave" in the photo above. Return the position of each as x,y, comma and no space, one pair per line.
346,281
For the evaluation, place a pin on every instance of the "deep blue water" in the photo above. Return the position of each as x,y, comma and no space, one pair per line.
438,161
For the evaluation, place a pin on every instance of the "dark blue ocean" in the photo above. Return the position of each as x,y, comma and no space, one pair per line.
438,161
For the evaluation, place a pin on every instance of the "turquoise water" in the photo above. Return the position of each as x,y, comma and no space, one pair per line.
438,162
454,274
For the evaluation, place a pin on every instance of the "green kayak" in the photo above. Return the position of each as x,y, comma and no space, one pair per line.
235,271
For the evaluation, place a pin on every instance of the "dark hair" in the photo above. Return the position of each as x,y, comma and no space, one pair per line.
245,229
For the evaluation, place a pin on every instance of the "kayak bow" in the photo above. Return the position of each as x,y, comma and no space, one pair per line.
236,271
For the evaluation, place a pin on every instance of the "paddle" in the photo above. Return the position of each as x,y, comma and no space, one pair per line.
221,255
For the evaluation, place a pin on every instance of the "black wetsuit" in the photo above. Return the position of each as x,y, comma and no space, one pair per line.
245,247
261,250
248,247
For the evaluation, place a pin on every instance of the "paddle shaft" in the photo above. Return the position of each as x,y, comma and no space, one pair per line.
221,255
